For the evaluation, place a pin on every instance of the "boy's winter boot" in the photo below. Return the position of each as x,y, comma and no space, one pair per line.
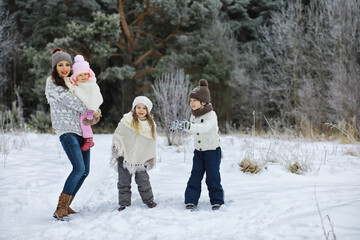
88,144
215,206
61,211
70,210
190,206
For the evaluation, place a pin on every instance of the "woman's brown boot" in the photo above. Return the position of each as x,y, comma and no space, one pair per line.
70,210
62,208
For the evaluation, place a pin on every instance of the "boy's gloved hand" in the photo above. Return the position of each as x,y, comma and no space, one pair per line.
184,125
173,126
179,125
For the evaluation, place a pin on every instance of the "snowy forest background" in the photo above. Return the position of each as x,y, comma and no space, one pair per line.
279,65
285,83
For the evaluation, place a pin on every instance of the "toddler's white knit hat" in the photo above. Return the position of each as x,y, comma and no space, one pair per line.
144,100
81,66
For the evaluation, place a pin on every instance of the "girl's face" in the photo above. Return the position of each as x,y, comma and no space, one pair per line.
196,104
63,68
141,110
83,77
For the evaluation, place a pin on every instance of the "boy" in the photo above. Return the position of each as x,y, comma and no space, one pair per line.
207,153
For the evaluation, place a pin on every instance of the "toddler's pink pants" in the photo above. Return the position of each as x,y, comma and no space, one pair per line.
86,129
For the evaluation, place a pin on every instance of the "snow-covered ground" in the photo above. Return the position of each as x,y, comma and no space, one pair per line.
273,204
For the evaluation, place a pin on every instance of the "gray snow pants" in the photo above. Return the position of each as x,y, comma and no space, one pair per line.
142,180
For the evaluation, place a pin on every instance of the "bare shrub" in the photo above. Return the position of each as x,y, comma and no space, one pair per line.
4,146
295,159
350,153
171,93
307,73
11,119
327,234
12,128
346,129
247,165
8,44
257,157
297,165
40,121
12,141
296,168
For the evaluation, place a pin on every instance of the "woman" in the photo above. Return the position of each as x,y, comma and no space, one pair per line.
65,111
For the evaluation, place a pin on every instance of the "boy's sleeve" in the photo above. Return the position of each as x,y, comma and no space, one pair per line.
205,126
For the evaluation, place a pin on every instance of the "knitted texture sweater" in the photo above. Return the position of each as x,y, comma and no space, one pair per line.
205,130
65,108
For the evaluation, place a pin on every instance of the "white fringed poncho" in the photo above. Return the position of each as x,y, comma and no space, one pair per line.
138,149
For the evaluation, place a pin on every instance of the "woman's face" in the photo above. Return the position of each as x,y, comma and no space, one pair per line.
63,68
141,110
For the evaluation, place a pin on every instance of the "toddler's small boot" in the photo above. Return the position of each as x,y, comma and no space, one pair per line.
87,144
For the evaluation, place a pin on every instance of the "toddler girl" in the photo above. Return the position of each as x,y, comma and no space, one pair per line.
85,88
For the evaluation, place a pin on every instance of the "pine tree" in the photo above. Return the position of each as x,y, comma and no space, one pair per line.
124,54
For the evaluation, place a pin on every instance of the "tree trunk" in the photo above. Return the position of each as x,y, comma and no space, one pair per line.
128,94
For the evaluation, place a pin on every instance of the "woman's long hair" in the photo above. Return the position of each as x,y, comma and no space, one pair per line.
135,122
59,81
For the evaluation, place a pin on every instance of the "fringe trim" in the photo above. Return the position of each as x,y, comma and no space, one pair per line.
115,150
133,168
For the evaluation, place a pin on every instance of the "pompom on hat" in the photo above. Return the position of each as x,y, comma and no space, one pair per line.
144,100
201,92
81,66
58,55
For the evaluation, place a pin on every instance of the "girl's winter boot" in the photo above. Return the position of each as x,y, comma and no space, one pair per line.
88,144
151,204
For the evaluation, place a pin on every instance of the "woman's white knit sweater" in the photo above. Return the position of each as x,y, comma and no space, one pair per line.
65,109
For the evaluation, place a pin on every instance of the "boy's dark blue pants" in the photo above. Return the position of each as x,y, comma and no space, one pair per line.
209,162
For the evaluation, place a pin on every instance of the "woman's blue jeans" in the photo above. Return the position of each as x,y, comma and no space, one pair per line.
80,161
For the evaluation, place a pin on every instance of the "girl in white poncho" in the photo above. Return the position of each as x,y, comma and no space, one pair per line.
134,152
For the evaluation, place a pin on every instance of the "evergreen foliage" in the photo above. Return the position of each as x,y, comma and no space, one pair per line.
297,62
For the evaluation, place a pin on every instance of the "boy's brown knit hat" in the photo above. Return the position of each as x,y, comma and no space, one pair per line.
201,92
